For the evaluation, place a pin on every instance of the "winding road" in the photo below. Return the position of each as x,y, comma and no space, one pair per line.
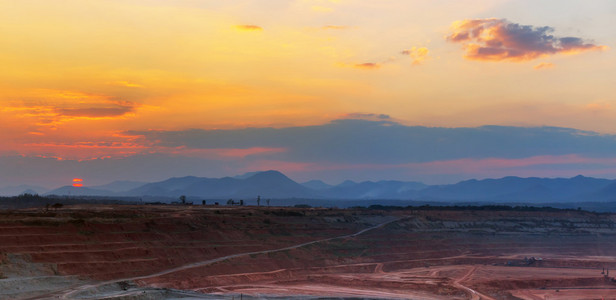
475,295
71,292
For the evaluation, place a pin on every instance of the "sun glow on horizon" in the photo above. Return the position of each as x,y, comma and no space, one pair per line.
77,182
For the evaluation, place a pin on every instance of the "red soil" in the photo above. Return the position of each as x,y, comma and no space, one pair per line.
426,255
129,242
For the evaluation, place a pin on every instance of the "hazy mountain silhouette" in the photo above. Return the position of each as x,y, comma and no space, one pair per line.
171,187
607,193
373,190
79,191
246,175
512,188
270,184
316,185
119,186
275,185
20,189
347,183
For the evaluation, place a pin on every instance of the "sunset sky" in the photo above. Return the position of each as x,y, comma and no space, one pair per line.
317,89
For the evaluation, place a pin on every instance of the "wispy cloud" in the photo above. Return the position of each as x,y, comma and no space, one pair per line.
221,153
543,65
126,84
366,116
48,108
417,54
367,66
82,151
335,27
502,40
248,27
95,112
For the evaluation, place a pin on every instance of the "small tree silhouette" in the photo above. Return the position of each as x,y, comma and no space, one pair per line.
183,199
258,200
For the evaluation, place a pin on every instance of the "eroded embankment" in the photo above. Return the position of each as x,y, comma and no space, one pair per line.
427,239
113,242
426,254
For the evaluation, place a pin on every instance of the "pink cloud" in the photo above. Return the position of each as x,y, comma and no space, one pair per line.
221,153
543,65
282,166
82,150
501,40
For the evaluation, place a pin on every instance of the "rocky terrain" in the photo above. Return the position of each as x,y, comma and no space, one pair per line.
211,252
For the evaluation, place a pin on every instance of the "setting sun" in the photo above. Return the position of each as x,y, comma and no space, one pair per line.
77,182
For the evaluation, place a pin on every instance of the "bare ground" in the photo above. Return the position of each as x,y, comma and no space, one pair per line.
135,252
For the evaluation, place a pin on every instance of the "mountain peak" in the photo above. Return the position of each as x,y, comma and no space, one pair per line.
246,175
270,174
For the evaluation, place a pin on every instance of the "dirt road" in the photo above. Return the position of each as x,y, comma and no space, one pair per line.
474,294
72,292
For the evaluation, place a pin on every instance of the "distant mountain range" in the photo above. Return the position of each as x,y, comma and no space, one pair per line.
275,185
516,189
21,189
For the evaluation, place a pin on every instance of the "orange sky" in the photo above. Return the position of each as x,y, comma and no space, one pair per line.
77,74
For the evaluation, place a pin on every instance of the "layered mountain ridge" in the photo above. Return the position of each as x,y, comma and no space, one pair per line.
275,185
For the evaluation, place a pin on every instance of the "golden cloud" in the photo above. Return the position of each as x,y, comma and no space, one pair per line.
126,84
95,112
418,54
48,108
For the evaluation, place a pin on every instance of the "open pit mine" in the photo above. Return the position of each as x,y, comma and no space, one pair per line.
216,252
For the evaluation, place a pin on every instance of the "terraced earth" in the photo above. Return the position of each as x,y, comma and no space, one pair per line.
211,252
